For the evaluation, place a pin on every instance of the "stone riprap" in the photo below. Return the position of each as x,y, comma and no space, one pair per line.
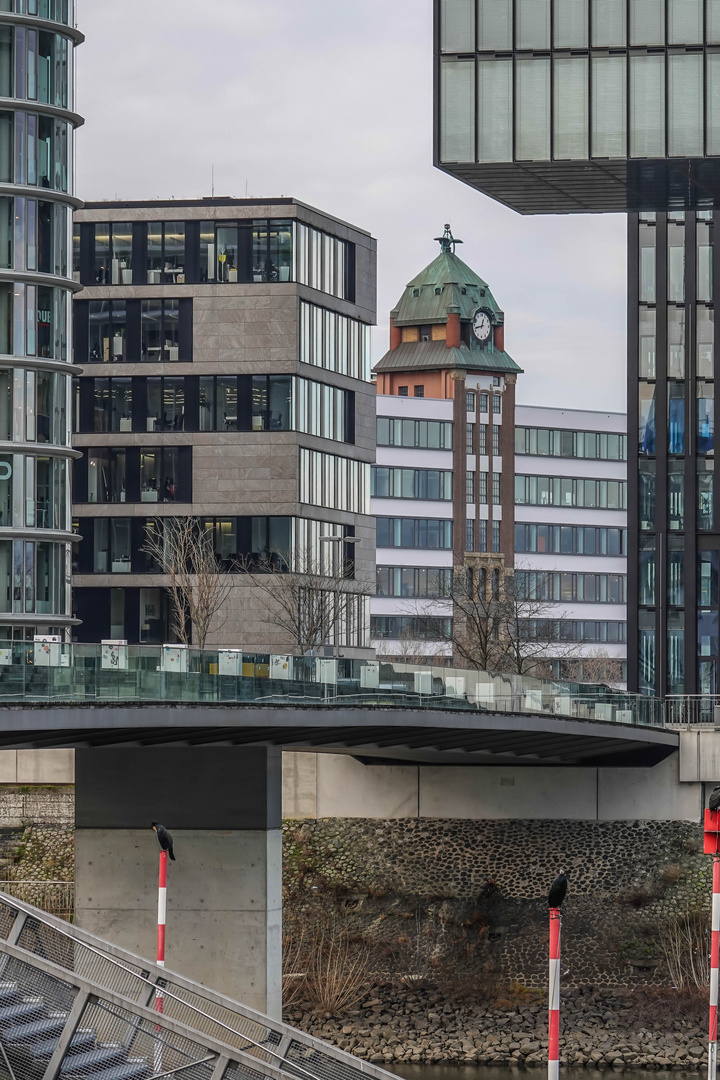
599,1030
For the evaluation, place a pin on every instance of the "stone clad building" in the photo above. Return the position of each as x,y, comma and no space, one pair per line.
224,347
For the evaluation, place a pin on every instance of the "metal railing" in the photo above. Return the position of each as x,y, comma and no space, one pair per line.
55,897
137,674
74,1005
692,710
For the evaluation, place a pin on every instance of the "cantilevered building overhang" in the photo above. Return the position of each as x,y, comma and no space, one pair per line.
580,106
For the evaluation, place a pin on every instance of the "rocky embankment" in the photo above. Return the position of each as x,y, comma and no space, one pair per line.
600,1030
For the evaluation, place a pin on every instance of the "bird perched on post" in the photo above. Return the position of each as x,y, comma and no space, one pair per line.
165,838
714,803
558,890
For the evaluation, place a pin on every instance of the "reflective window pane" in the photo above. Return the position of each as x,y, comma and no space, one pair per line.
647,22
533,24
495,110
609,21
609,108
457,25
647,100
570,28
533,110
457,138
685,22
571,107
495,24
685,104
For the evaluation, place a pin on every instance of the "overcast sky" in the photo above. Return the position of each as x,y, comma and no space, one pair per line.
330,101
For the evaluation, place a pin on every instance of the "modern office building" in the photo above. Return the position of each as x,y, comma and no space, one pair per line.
576,106
37,125
571,530
224,347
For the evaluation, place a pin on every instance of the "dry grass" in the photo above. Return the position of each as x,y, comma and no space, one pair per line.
685,943
672,874
660,1007
325,965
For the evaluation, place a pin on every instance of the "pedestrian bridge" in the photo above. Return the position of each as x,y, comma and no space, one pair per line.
76,1007
54,694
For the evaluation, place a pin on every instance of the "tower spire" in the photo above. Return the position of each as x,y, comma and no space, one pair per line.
447,241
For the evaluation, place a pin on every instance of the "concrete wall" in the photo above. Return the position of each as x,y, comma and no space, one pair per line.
336,785
37,766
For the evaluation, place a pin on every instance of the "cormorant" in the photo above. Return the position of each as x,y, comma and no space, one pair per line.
166,839
558,890
714,803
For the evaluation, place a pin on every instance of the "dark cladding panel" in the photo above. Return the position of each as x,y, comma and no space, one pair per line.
183,787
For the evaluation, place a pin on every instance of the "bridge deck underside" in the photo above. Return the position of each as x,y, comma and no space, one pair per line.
372,734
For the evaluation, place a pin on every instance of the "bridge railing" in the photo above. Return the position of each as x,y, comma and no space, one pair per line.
692,710
57,672
102,1011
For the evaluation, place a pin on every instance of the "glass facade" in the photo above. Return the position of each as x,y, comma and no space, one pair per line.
672,447
562,491
36,152
564,82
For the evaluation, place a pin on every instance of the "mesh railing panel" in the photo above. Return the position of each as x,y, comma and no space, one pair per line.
321,1065
8,916
46,941
34,1008
206,1016
241,1072
129,1047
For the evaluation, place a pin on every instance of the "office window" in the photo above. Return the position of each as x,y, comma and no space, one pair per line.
608,22
647,22
482,536
335,342
482,438
159,330
322,261
646,406
419,391
570,540
533,24
713,95
647,104
532,87
566,491
676,343
685,104
685,22
571,107
484,402
495,25
646,494
431,534
496,536
571,29
676,418
647,262
165,252
495,105
469,438
420,434
470,487
457,111
457,26
338,483
470,536
482,487
402,391
496,439
414,581
497,403
496,488
704,272
165,405
411,483
412,627
470,401
647,336
609,107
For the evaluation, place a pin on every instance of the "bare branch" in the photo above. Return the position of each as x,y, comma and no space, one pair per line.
198,587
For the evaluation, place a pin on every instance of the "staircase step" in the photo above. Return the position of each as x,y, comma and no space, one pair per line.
90,1062
132,1069
51,1025
24,1010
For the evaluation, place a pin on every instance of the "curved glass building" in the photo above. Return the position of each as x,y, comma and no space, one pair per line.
37,123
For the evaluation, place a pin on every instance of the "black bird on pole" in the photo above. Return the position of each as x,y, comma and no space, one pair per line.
164,838
714,803
558,890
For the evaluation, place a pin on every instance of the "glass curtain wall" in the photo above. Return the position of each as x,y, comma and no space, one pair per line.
36,69
673,521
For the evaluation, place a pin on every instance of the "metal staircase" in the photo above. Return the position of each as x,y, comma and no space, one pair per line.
73,1007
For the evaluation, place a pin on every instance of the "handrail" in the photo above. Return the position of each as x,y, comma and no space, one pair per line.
147,981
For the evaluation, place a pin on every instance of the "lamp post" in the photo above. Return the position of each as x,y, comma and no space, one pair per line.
336,619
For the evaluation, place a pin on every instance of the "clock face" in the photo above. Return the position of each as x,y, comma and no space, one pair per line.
481,325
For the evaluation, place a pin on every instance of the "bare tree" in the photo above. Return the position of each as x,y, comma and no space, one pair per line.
408,650
505,623
183,550
597,667
309,600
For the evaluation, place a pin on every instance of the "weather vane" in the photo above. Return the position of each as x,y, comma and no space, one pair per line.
447,241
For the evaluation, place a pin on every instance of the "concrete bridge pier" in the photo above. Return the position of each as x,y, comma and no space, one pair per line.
223,808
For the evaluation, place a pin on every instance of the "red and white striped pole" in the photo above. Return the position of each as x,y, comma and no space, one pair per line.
714,965
162,918
554,996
